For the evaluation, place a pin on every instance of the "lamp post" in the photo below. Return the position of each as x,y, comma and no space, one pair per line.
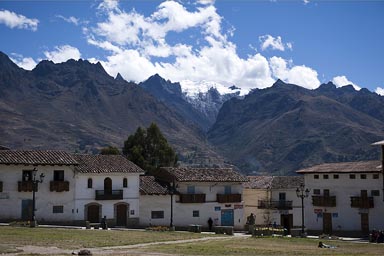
172,190
34,190
302,193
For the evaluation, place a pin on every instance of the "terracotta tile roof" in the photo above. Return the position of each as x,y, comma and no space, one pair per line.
36,157
105,164
287,182
346,167
184,174
274,182
149,186
258,182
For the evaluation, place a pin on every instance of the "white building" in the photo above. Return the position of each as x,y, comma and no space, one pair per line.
273,200
75,188
195,195
346,198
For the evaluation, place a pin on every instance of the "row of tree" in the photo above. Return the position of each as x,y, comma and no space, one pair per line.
147,148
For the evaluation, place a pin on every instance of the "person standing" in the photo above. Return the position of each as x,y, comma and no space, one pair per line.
210,223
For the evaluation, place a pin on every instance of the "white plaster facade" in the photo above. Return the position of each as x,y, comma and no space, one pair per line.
343,217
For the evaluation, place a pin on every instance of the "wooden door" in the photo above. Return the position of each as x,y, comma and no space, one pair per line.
327,223
107,186
121,215
26,209
227,217
93,214
364,223
286,220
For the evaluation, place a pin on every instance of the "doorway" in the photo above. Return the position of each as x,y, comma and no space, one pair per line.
93,213
26,209
327,223
107,186
286,220
364,223
121,215
227,218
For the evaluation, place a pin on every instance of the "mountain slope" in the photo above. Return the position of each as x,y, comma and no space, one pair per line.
77,106
283,128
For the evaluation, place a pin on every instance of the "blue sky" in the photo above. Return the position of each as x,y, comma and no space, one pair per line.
246,43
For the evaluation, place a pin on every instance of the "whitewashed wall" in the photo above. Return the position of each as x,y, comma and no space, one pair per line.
11,198
345,218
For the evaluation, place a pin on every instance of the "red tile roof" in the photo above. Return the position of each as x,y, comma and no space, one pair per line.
149,186
346,167
185,174
105,164
36,157
273,182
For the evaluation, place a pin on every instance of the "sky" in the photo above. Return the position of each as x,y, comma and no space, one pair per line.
246,43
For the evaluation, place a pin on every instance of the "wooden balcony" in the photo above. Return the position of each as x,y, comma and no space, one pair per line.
26,186
59,186
270,204
228,198
109,195
324,201
362,202
192,198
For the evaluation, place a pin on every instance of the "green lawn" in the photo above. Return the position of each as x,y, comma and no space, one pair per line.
269,246
74,239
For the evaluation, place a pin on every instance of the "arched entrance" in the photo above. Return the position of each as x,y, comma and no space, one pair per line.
121,213
93,212
107,186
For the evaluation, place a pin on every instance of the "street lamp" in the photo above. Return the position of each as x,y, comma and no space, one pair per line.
302,193
34,190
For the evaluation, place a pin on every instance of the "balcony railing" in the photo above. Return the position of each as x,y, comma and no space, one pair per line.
26,186
192,198
228,198
362,202
59,186
270,204
324,201
109,195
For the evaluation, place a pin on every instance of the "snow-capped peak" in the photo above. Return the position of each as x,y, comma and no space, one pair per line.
192,88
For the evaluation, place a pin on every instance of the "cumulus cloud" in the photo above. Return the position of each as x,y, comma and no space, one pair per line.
14,20
139,46
63,53
340,81
268,41
300,75
380,91
26,63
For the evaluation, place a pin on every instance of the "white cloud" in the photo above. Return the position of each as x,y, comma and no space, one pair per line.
71,19
145,48
299,75
14,20
268,41
26,63
63,53
380,91
340,81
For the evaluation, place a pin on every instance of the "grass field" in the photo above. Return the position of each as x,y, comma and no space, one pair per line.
13,238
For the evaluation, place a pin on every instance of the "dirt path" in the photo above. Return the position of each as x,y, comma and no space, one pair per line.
115,250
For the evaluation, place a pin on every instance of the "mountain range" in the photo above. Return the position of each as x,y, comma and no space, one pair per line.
77,106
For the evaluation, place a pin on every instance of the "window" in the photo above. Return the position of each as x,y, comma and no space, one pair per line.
89,183
1,186
352,176
157,214
326,192
58,175
363,176
364,193
227,190
125,183
191,190
375,193
325,176
58,209
195,214
375,176
27,175
335,176
282,196
316,191
316,176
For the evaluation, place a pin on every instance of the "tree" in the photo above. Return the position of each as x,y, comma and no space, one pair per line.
110,151
149,149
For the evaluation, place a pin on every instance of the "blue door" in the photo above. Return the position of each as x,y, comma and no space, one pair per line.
26,209
227,217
